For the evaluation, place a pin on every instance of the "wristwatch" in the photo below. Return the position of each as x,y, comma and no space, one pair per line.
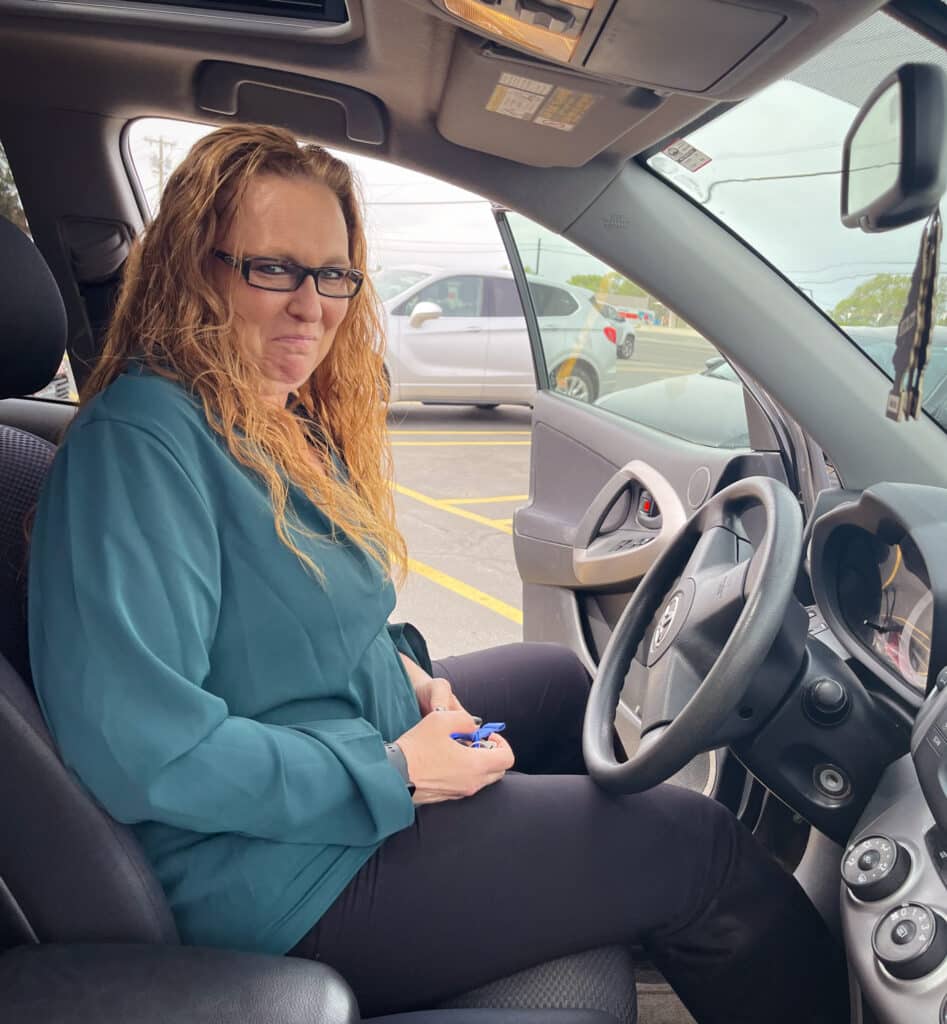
398,761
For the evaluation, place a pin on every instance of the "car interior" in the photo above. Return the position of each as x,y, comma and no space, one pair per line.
766,623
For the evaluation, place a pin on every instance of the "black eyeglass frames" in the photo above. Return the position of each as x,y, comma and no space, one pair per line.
277,275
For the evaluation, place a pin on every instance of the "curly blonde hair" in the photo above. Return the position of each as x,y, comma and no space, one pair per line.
169,317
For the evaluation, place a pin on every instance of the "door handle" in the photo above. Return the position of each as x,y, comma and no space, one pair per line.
472,330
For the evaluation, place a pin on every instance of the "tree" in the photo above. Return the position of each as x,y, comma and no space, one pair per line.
880,301
10,207
606,284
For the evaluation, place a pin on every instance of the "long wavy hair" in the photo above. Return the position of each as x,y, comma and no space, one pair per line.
171,319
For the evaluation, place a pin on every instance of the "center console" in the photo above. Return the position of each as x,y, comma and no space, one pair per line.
894,875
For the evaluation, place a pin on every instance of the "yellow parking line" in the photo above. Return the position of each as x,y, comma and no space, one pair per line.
450,444
465,590
444,507
484,501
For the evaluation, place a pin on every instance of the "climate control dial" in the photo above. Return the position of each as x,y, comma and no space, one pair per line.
875,867
910,940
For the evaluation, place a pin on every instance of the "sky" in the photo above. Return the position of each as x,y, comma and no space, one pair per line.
792,134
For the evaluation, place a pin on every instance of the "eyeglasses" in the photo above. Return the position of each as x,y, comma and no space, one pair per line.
276,275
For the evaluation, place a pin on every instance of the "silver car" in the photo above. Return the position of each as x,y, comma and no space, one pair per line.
460,337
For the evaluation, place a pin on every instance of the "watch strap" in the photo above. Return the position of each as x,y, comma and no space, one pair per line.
399,762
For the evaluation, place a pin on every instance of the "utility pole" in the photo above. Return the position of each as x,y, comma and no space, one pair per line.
162,160
539,249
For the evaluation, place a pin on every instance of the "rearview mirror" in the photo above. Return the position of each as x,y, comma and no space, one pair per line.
894,160
423,312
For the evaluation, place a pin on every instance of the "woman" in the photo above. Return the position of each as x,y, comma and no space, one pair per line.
213,552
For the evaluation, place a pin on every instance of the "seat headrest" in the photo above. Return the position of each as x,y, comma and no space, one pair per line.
32,316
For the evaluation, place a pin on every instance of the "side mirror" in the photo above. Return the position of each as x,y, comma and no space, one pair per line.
894,160
423,312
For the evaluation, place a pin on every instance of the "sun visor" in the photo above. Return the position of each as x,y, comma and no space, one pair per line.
702,47
532,112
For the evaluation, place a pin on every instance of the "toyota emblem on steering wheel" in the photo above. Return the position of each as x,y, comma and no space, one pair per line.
665,622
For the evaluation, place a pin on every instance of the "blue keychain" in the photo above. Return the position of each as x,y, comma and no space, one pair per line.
479,735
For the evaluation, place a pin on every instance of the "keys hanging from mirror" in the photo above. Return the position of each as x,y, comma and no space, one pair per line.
916,329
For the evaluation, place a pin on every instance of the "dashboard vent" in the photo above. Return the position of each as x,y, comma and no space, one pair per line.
308,10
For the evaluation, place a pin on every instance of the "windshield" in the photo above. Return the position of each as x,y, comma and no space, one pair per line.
389,283
770,169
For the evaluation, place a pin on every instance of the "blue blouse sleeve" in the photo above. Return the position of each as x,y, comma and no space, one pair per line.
124,594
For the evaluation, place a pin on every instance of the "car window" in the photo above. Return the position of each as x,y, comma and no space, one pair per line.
391,283
770,167
549,301
62,386
10,206
458,295
504,297
608,341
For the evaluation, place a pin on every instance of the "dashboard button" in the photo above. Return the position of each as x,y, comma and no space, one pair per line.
869,860
903,933
825,701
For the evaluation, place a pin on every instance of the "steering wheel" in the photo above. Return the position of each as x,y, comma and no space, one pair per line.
694,634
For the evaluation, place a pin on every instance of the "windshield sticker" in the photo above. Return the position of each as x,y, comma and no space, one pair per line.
564,109
519,97
688,156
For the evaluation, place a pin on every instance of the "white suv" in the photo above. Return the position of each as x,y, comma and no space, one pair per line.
459,337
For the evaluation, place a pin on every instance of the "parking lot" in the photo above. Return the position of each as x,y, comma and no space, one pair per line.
461,472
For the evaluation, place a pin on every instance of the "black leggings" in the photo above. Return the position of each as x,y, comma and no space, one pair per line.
541,865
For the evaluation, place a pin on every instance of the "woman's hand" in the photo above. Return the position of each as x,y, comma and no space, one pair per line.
432,693
442,768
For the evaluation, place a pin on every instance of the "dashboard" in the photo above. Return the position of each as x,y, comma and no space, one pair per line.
878,568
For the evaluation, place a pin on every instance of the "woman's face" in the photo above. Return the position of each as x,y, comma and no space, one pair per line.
287,333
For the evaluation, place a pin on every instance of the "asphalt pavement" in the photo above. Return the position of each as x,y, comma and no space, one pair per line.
460,473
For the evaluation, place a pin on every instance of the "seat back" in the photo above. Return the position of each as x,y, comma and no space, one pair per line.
68,872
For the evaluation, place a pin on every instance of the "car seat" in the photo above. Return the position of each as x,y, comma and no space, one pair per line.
86,935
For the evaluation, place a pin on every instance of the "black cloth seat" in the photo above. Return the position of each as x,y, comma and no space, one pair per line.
71,877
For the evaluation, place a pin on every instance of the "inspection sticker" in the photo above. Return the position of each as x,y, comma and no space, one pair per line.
564,109
516,96
686,155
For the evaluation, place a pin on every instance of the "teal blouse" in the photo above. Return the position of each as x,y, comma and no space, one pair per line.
201,683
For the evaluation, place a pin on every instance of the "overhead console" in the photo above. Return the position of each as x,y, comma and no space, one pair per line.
640,42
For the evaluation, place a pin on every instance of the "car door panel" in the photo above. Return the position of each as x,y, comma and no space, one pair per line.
595,446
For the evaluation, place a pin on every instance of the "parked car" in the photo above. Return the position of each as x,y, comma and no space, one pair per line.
460,337
624,330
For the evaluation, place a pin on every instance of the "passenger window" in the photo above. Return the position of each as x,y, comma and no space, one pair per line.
460,295
609,342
